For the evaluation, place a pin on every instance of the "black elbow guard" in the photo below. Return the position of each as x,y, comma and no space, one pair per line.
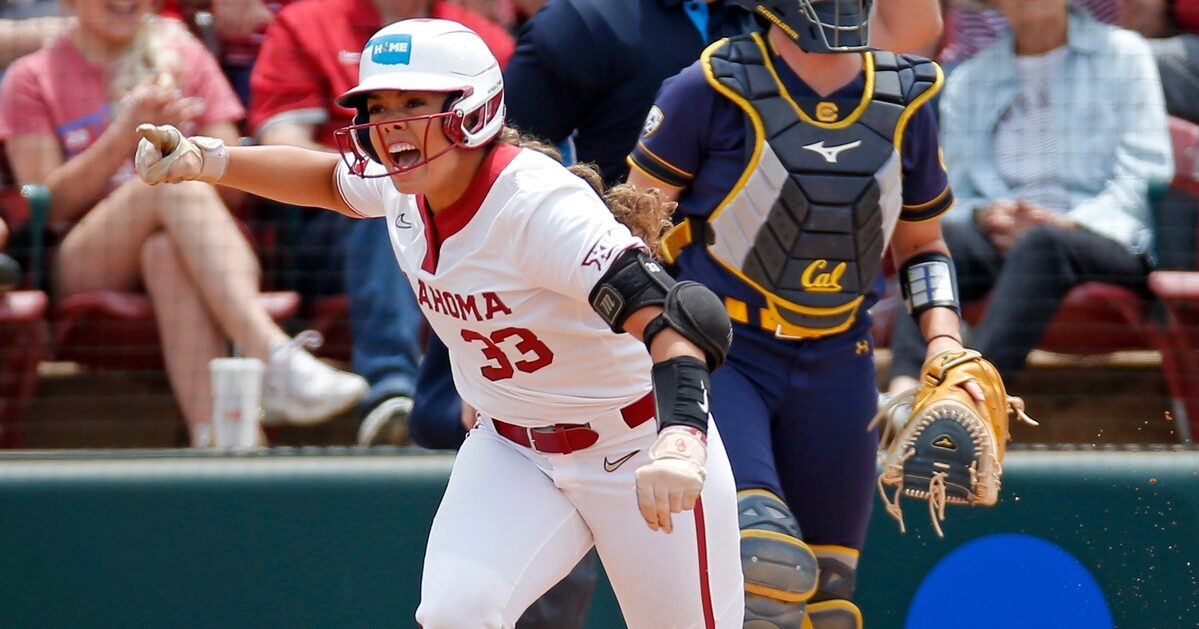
698,314
633,282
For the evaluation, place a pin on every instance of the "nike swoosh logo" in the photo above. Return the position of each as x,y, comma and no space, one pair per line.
830,153
703,406
612,466
402,221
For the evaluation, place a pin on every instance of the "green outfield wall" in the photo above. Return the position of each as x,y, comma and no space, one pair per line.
335,539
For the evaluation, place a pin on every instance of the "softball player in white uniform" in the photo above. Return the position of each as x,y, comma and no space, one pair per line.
528,278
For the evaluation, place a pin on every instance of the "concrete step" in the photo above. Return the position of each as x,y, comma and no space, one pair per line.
79,408
1114,398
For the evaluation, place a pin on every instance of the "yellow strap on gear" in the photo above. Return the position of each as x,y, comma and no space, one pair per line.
673,242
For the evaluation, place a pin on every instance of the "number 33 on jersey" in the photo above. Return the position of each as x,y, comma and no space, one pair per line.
489,276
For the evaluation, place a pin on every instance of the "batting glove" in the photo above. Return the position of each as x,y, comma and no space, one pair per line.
673,478
165,156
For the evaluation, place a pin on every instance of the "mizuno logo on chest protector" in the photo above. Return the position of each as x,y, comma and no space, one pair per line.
830,153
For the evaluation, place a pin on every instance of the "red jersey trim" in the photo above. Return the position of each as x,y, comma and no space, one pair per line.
451,220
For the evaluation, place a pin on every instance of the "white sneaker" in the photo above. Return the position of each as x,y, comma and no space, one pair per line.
387,423
300,390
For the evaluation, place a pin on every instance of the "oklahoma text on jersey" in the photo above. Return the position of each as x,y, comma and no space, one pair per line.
459,307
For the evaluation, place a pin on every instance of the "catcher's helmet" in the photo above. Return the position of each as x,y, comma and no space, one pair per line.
426,55
818,25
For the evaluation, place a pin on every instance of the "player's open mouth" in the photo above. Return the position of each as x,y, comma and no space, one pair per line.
124,9
403,155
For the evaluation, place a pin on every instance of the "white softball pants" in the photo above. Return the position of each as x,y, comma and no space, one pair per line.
514,522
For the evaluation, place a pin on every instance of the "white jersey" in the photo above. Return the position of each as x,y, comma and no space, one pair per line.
504,276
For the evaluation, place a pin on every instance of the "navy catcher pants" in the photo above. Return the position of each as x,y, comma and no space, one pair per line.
793,415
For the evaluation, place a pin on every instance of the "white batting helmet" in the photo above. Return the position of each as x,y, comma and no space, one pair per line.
429,55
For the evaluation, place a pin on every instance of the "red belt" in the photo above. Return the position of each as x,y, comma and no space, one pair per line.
567,438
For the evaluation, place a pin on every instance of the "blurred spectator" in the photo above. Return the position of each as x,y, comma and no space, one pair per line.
308,58
22,9
21,36
439,419
1052,137
235,35
510,14
231,29
585,70
524,10
238,27
971,25
1173,32
67,117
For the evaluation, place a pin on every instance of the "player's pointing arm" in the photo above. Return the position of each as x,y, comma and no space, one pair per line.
286,174
688,333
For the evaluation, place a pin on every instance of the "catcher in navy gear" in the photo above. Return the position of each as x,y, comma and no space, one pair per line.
797,155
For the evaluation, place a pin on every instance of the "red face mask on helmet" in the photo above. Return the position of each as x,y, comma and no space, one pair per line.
424,55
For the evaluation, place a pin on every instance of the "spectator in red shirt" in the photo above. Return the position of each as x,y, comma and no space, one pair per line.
67,118
309,57
310,54
233,32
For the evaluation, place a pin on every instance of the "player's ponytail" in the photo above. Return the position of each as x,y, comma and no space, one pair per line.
644,212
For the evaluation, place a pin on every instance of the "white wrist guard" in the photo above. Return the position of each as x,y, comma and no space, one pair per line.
214,158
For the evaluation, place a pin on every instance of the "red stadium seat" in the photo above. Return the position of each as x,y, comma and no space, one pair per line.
1185,136
114,330
24,333
1178,336
24,338
109,330
1094,318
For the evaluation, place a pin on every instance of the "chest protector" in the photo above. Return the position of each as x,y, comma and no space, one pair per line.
808,221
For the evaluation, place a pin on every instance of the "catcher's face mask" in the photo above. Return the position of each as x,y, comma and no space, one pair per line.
820,26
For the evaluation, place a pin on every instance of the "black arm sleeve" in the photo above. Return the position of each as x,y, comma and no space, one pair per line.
681,386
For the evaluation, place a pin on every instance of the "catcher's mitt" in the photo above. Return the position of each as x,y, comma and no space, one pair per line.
946,452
